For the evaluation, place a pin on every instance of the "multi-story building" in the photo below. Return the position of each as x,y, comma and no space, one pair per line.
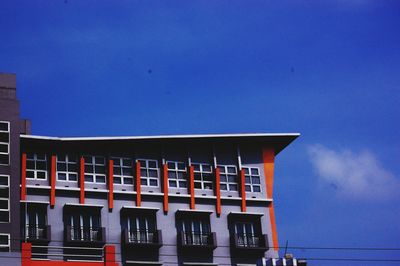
151,200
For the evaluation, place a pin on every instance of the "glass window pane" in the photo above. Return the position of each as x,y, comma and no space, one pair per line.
88,168
41,165
181,166
208,185
246,170
117,180
231,169
254,171
172,183
181,175
72,167
4,192
171,165
41,175
117,171
233,187
143,181
99,160
153,182
247,179
4,180
30,174
128,181
61,167
73,177
221,169
4,148
152,164
41,156
232,179
255,180
153,173
100,169
127,171
88,178
257,188
248,188
100,179
224,187
182,184
223,178
3,204
3,126
196,167
197,185
62,176
143,172
30,164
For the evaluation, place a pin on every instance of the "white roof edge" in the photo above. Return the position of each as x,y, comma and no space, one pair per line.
162,136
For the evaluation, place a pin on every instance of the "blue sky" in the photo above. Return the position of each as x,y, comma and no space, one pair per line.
327,69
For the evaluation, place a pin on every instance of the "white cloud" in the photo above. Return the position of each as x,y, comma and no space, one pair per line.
353,175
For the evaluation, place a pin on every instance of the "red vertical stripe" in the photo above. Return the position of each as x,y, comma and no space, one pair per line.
243,190
82,181
23,177
110,184
53,181
165,186
191,187
218,191
138,190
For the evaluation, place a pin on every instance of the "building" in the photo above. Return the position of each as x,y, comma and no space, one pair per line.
150,200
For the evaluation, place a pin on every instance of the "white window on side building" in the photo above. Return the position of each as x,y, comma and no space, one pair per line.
4,143
4,199
4,242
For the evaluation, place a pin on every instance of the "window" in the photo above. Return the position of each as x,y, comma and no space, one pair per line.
141,229
176,174
95,169
203,178
246,236
148,173
252,179
228,177
4,143
4,199
4,242
196,232
85,226
123,171
36,222
36,166
67,168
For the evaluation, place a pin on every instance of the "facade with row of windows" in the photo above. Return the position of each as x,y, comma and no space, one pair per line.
155,200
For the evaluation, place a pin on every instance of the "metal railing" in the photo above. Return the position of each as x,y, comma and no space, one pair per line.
248,240
61,253
196,238
141,236
37,232
85,233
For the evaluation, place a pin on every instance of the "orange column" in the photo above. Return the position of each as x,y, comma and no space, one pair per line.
110,184
217,191
165,187
26,254
53,181
23,177
138,188
268,159
82,181
109,256
243,190
191,187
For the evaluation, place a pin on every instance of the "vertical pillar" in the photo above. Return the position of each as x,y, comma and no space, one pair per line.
109,255
165,187
110,185
191,187
218,191
26,254
82,180
268,161
53,181
23,177
242,189
138,188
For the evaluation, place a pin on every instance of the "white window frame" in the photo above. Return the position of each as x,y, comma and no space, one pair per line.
93,164
35,171
6,143
8,199
8,245
201,171
227,182
67,172
250,175
175,171
147,168
121,165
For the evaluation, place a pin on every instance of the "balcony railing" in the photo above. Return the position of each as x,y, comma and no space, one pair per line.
196,239
256,242
145,238
84,234
38,233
